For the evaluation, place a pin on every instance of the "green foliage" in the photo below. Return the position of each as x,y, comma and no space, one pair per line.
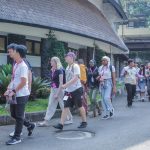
57,47
5,78
98,55
40,88
32,106
137,8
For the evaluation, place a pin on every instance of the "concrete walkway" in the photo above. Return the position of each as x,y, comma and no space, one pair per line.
128,130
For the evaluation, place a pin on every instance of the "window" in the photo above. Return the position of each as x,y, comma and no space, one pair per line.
33,47
2,43
29,47
37,48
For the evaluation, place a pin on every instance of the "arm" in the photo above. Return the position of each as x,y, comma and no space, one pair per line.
72,81
29,80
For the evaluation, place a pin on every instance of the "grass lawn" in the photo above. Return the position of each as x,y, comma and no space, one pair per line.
32,106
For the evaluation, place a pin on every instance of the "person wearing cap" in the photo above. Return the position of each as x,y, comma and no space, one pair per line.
73,91
93,85
83,78
130,78
19,91
107,86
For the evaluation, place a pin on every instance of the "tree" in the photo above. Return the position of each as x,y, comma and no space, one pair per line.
137,8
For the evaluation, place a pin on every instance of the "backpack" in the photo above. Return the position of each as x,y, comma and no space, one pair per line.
64,76
83,71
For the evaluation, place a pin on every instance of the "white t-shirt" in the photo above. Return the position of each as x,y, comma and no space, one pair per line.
105,71
71,71
20,70
131,75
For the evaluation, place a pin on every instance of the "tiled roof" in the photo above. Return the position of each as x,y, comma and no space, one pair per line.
74,16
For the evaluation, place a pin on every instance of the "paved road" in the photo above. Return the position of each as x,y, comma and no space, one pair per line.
128,130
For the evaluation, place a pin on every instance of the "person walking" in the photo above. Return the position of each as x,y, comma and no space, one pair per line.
73,91
107,80
142,82
19,93
130,75
93,85
57,93
83,79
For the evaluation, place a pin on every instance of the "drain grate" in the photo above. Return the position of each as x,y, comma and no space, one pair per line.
74,135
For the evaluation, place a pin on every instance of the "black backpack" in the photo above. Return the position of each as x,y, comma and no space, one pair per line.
64,76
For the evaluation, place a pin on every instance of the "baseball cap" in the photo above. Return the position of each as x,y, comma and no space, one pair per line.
71,54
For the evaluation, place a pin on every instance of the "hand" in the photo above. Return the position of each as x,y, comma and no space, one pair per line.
63,86
114,90
11,93
6,93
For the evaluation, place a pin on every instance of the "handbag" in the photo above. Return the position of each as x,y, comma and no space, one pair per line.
11,99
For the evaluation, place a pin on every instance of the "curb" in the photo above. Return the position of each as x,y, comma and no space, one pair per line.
33,117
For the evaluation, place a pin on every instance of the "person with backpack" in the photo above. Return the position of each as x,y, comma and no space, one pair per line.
73,91
57,94
107,80
30,74
17,93
93,85
83,78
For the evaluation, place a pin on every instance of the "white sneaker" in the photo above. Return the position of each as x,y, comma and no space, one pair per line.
70,121
43,124
12,134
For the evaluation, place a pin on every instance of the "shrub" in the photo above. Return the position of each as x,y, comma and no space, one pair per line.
40,88
5,78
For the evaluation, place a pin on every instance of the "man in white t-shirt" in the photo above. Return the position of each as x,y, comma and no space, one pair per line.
19,91
73,91
130,74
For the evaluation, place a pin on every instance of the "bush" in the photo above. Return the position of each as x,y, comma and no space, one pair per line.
40,88
5,78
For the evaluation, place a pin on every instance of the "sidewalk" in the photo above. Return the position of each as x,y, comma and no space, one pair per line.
128,130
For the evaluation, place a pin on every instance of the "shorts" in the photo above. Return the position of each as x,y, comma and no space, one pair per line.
75,98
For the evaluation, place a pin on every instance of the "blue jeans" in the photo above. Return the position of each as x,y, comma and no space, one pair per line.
106,91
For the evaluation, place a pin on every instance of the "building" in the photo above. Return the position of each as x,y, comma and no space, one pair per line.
137,40
80,24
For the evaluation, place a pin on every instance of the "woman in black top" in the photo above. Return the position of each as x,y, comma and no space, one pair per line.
56,95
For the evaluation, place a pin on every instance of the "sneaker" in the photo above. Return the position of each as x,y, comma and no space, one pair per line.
43,124
58,126
13,141
143,100
82,125
70,121
31,128
106,117
12,134
112,113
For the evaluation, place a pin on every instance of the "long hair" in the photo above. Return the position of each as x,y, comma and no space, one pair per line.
57,61
142,69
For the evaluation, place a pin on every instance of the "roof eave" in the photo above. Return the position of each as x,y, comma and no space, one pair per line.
118,8
62,30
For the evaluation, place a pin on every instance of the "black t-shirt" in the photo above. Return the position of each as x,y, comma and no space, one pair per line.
55,77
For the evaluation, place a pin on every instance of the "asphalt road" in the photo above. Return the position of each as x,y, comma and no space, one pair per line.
128,130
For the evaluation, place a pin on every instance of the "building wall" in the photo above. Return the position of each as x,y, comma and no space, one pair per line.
3,58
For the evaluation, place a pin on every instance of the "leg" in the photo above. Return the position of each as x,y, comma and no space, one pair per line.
129,94
103,101
94,96
52,105
107,98
19,110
